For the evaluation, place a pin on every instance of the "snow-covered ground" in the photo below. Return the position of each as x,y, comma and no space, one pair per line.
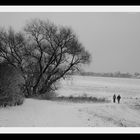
43,113
100,86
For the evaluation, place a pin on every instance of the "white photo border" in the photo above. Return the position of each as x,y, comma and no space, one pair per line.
69,9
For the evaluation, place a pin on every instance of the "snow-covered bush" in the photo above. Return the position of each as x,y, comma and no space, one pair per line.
10,93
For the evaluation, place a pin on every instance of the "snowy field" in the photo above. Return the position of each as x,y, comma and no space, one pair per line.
100,87
42,113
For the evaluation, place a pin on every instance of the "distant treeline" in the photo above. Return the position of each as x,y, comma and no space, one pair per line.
115,74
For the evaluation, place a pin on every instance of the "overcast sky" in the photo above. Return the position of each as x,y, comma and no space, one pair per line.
113,39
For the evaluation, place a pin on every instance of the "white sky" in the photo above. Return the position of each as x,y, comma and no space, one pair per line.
113,39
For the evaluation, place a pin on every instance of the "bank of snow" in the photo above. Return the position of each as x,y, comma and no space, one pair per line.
42,113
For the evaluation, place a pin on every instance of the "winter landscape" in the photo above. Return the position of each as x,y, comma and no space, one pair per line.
42,113
56,71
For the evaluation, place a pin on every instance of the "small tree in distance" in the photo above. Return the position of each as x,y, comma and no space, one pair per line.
44,54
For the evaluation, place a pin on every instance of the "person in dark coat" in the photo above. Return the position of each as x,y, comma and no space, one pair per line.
118,98
114,98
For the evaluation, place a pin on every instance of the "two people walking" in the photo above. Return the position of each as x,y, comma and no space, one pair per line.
116,97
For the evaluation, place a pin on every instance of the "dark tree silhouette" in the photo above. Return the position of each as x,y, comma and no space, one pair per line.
44,54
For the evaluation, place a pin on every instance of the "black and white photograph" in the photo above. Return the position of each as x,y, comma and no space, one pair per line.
70,69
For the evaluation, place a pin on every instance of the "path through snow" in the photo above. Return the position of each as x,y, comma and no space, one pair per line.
41,113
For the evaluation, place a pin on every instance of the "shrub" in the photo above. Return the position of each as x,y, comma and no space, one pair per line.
81,99
47,96
10,93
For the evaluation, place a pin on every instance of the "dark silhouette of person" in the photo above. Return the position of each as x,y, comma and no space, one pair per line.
114,98
118,98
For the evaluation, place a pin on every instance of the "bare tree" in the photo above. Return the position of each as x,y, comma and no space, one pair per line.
45,55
